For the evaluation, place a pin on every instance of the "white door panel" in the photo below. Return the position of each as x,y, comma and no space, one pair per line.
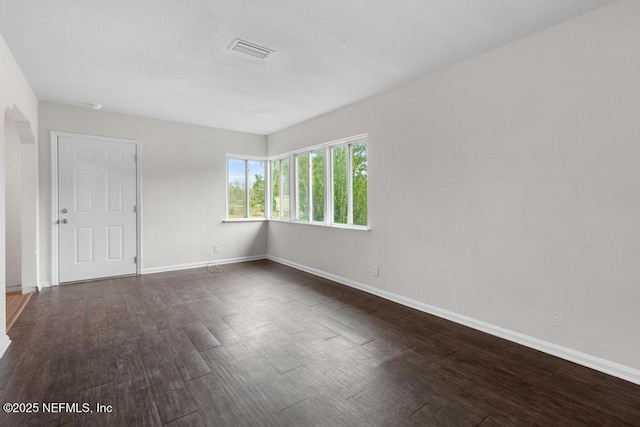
97,235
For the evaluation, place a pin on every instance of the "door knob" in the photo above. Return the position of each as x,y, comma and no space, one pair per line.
65,221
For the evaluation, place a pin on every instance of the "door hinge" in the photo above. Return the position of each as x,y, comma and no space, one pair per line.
135,209
135,259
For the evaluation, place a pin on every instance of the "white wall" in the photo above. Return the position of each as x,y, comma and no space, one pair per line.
13,205
184,184
504,188
16,100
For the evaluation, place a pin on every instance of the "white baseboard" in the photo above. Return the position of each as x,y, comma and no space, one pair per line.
13,288
4,344
44,285
187,266
200,264
608,367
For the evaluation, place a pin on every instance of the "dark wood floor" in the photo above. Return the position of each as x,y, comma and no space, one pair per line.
263,344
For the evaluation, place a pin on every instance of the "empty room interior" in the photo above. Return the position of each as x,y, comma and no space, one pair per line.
320,213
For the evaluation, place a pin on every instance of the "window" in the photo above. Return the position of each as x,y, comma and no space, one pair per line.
246,184
359,183
349,183
340,185
330,184
310,186
317,185
280,189
304,189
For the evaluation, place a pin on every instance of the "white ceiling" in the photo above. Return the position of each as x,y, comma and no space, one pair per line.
168,59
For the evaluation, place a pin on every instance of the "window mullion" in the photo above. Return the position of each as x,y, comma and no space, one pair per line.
327,191
292,183
349,185
296,189
267,189
280,213
246,188
332,201
310,186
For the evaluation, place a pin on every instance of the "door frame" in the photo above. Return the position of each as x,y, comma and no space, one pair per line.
55,279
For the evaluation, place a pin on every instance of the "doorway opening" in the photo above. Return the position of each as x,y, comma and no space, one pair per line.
20,170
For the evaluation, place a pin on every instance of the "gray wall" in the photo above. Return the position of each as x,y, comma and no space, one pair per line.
16,99
13,204
184,185
504,188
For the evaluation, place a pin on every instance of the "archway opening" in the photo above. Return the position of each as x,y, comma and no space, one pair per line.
20,212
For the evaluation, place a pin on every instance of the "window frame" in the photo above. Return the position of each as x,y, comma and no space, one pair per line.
348,145
327,150
280,193
310,172
247,196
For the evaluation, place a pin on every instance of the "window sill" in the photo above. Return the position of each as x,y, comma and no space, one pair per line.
244,220
320,224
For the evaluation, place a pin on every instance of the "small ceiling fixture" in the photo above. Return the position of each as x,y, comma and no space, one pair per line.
93,106
249,48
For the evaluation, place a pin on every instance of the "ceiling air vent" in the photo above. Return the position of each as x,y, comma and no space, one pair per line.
248,48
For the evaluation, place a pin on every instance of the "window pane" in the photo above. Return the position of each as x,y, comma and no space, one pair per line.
237,200
275,189
317,185
359,180
340,201
256,188
302,165
286,193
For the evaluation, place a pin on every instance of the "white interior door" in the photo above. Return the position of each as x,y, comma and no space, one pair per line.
97,193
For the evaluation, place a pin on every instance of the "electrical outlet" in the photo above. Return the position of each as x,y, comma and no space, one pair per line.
216,248
376,271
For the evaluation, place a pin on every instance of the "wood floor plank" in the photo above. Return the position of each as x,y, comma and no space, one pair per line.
325,410
137,407
166,383
200,336
192,420
256,408
172,400
103,398
186,357
214,404
130,373
444,411
346,331
246,322
280,391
